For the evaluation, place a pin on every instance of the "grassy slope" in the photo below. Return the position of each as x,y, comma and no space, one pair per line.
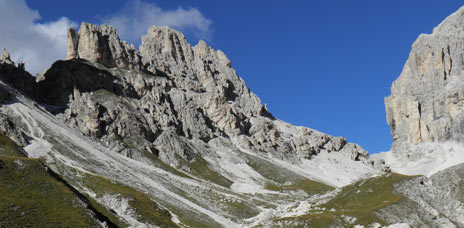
200,168
9,148
285,180
146,209
30,197
357,200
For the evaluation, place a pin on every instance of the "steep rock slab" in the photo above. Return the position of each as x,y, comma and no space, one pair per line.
102,44
427,100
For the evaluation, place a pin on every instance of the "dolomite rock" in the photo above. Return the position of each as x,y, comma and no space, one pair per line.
72,44
11,131
17,77
435,201
181,127
101,44
427,100
201,69
6,59
170,99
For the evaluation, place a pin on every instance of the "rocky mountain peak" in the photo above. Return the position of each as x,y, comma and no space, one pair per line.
172,121
101,44
169,135
426,101
6,59
165,51
173,89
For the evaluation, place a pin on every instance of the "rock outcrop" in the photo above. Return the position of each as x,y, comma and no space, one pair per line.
427,100
6,59
435,201
169,89
102,44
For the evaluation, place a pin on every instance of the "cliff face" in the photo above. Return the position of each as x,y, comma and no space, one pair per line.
427,100
171,89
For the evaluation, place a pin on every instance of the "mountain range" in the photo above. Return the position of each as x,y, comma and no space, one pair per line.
168,135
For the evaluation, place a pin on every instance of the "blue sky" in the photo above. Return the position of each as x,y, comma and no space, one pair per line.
322,64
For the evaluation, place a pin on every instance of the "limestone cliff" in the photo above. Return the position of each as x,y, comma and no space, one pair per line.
170,89
427,100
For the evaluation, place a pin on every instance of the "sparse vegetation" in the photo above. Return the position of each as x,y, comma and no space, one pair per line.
359,200
192,220
146,209
160,164
107,213
241,209
362,198
200,168
285,180
30,197
9,148
304,184
103,93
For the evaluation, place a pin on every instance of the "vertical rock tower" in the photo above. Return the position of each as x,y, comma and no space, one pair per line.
427,100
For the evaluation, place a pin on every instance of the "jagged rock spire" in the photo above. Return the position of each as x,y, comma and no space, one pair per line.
102,44
6,59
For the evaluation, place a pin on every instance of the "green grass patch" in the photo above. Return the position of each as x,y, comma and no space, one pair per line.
359,200
9,148
147,210
241,209
162,165
199,167
362,198
189,219
107,213
321,220
304,184
285,180
30,197
103,93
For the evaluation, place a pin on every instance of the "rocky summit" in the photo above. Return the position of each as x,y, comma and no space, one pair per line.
425,104
425,110
168,135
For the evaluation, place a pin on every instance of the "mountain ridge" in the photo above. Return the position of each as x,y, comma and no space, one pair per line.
175,122
169,135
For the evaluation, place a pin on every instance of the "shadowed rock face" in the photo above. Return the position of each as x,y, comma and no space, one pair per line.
427,100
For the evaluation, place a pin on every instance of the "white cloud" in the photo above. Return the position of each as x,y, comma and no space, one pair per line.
137,16
41,44
36,44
